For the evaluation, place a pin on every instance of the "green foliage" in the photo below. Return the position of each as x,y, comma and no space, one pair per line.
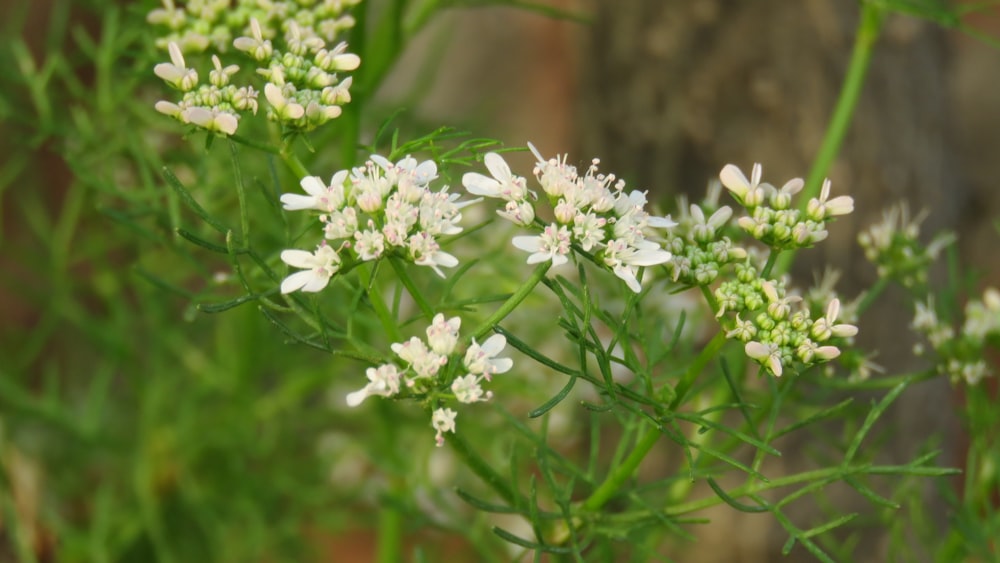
162,400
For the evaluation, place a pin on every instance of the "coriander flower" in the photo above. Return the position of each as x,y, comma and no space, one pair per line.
443,420
745,191
820,209
480,359
284,109
212,120
382,381
318,266
175,72
552,244
624,259
321,197
768,355
442,335
468,390
825,327
503,184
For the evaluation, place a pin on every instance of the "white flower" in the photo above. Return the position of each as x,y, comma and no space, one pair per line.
624,259
256,46
820,209
503,184
219,76
588,230
340,224
782,198
382,381
425,251
175,72
468,390
321,197
825,327
765,354
482,360
337,60
442,335
778,307
552,244
443,420
424,362
518,212
220,121
283,108
318,267
370,243
702,229
734,181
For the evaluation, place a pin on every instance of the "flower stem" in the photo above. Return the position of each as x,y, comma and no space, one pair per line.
404,276
293,162
617,477
513,301
390,533
872,293
772,258
868,31
389,324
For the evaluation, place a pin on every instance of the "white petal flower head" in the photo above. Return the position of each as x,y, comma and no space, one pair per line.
175,72
442,334
553,244
504,184
734,181
768,355
216,121
425,251
468,390
321,197
481,359
382,381
826,326
443,420
256,46
782,198
624,259
318,268
820,209
283,108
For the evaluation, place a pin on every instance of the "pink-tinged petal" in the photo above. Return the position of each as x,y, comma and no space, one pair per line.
734,180
313,186
356,398
298,258
294,111
226,123
756,350
527,243
827,352
316,283
649,257
497,166
347,61
477,184
168,108
297,281
661,222
628,276
793,186
841,205
296,202
774,363
501,365
494,345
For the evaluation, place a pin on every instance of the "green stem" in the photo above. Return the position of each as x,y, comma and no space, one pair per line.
390,534
772,258
617,477
389,324
404,276
513,301
293,162
872,294
484,470
868,31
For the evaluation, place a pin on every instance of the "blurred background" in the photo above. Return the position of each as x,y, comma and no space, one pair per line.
95,441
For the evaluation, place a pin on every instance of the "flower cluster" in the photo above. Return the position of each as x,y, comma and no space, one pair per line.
200,24
370,211
961,356
700,250
215,106
427,370
894,247
776,332
592,212
303,88
772,219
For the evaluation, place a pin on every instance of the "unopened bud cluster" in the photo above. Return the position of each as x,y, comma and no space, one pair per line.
369,212
303,88
198,25
700,250
771,217
215,106
591,212
894,247
428,370
777,329
961,355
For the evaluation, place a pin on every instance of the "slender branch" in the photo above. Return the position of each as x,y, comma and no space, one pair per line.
868,31
513,301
